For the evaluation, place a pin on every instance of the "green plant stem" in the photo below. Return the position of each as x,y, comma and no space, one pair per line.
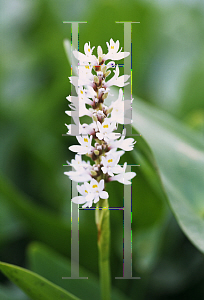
103,225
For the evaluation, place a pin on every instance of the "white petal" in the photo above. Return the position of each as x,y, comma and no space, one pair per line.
101,185
79,200
96,199
103,195
79,149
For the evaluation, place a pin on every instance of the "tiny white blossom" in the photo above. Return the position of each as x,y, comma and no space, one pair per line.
97,190
122,143
90,193
118,107
80,81
113,53
83,129
123,177
85,71
106,130
110,161
85,146
116,80
80,103
87,57
82,170
87,49
86,197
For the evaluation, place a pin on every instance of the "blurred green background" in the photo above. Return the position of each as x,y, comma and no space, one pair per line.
168,74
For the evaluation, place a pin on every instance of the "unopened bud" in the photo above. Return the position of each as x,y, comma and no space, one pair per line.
96,80
103,69
105,95
93,173
96,152
109,110
100,59
107,73
94,117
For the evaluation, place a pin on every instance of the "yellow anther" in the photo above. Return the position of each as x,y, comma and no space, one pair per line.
105,126
110,160
112,47
86,140
94,186
82,92
89,50
87,67
86,191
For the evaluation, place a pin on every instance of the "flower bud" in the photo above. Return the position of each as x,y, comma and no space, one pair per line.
107,73
96,152
100,60
105,95
109,110
96,80
93,173
103,69
95,118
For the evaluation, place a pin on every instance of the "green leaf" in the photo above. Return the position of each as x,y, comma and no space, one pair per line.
12,292
34,285
54,228
44,260
179,154
11,228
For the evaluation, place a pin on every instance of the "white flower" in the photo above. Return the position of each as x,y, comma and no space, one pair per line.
83,58
97,190
123,177
85,146
87,57
78,163
80,103
82,170
90,193
83,129
124,144
118,108
80,81
81,175
87,196
113,51
85,71
110,161
105,130
116,80
88,50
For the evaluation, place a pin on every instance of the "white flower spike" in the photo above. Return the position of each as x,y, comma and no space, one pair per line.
92,87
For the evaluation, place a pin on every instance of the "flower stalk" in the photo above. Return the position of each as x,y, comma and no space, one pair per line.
102,217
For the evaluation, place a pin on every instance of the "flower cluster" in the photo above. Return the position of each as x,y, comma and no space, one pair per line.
98,140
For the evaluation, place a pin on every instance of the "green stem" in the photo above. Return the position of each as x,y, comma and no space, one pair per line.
103,225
